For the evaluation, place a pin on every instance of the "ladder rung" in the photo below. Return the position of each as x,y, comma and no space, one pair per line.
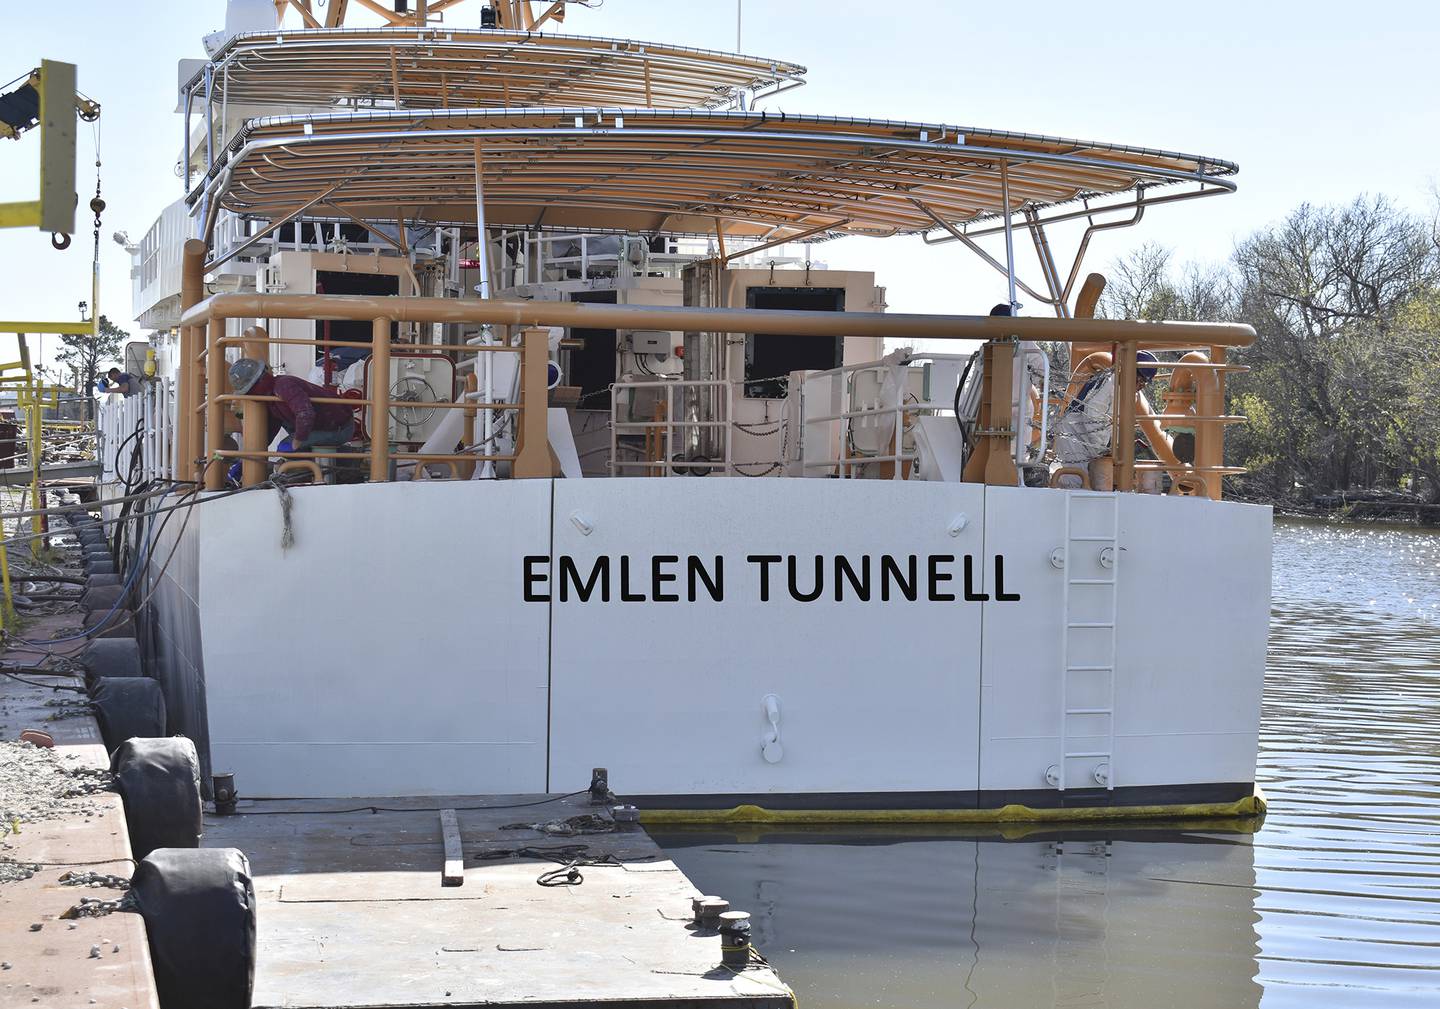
1089,711
1092,581
1092,539
1092,623
1096,753
1089,669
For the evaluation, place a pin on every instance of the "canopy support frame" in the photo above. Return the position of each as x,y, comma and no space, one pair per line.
975,247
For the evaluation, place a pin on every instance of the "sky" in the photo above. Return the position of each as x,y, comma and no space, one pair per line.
1317,101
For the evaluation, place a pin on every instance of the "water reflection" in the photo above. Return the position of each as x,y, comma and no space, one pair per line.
1348,863
930,917
1334,902
1386,571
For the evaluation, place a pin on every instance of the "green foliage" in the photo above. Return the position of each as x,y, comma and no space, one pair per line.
84,356
1344,386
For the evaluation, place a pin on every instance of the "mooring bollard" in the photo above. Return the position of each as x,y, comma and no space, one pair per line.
707,910
735,938
222,786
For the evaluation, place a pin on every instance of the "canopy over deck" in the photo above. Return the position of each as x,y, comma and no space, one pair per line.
478,68
753,175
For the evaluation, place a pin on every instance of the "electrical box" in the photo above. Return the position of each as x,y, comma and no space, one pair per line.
649,341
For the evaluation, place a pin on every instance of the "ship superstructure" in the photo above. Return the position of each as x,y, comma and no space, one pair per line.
636,481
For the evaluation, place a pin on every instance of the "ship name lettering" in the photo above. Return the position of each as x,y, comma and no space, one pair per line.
800,578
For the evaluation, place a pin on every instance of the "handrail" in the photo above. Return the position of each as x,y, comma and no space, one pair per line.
1144,335
1196,381
208,397
660,433
1127,337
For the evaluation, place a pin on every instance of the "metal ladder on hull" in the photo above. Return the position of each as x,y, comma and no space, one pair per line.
1099,539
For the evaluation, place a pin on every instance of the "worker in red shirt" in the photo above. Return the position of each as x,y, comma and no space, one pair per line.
309,423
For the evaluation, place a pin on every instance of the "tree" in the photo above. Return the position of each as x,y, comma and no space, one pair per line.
1143,285
1345,368
1331,293
83,356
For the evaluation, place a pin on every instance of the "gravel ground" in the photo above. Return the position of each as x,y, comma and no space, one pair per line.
37,783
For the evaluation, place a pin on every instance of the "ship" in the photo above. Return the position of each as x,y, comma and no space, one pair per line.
639,491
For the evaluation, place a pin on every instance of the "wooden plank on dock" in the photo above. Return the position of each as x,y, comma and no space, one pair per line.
454,871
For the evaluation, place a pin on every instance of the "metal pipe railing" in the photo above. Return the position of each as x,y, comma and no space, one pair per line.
1001,333
1145,335
211,398
663,430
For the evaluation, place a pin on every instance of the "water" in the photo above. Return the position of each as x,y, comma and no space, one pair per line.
1334,902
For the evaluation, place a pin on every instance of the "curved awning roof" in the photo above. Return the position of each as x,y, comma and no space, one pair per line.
756,174
441,68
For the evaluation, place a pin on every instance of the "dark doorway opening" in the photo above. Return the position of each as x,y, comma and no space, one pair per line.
769,358
592,367
340,282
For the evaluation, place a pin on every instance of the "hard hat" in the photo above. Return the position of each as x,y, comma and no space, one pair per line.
244,373
1142,358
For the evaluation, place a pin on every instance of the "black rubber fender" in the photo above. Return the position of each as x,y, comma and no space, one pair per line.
124,628
120,625
99,566
159,779
126,707
115,657
100,598
199,910
101,581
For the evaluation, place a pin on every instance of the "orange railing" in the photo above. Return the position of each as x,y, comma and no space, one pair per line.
1200,375
206,400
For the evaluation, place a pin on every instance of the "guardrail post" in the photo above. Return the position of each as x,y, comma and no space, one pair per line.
192,287
216,381
1123,441
1219,356
380,400
992,461
532,458
254,417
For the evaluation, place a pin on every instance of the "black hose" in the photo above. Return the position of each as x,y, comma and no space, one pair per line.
959,388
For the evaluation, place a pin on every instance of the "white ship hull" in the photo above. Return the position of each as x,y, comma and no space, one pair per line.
391,649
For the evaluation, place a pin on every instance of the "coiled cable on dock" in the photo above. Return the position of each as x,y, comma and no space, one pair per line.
569,858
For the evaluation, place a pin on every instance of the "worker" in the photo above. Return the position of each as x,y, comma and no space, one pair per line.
310,424
1084,430
122,382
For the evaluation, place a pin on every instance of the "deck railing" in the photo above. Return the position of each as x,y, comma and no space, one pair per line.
663,450
205,397
992,460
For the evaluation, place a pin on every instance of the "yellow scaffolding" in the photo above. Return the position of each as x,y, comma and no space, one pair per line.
33,396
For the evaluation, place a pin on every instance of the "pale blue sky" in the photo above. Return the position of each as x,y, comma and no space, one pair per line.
1317,101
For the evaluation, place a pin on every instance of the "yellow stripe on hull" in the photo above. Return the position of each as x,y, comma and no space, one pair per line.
1248,806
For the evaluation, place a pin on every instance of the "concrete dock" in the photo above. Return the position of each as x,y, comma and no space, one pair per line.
354,910
103,961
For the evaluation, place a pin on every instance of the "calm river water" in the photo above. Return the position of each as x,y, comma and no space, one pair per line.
1335,901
